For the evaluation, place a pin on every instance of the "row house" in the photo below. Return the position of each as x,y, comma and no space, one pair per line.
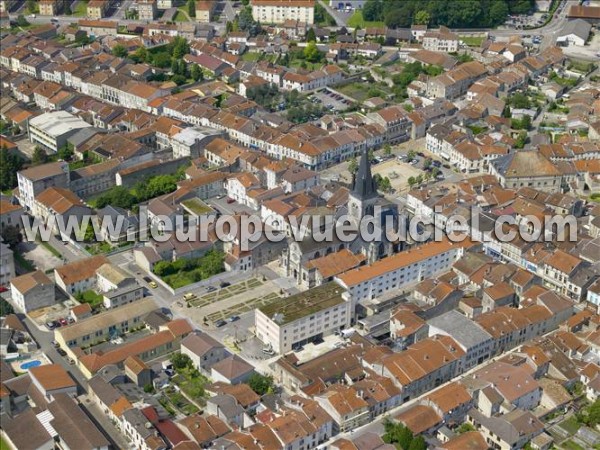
441,41
456,82
318,79
395,121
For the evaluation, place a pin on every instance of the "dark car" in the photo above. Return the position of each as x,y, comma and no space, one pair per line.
219,323
224,284
421,154
234,318
147,279
61,352
211,289
230,200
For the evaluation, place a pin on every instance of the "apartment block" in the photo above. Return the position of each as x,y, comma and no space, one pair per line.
301,318
278,11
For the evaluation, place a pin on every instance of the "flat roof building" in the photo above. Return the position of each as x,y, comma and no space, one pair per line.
51,130
301,318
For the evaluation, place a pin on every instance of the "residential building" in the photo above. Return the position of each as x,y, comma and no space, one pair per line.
347,409
205,10
279,11
526,168
49,7
7,264
287,324
51,380
96,9
442,40
79,276
403,269
147,9
32,291
203,350
231,370
103,326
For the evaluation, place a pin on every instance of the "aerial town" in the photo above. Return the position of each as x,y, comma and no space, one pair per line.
299,224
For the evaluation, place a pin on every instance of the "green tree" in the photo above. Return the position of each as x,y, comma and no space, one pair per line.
10,164
32,6
191,8
65,152
22,21
67,9
196,72
229,27
179,79
181,361
465,427
412,181
397,433
422,17
119,51
372,10
418,443
410,155
11,236
245,19
387,150
5,308
161,60
497,13
311,36
353,166
179,47
521,140
39,156
261,384
311,52
90,235
141,54
427,163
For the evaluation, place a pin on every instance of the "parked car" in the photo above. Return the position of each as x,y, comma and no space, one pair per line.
230,200
3,289
211,289
55,344
147,279
153,284
61,352
224,284
189,296
63,322
52,325
219,323
233,318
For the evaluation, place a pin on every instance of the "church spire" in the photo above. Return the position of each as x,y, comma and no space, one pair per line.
364,184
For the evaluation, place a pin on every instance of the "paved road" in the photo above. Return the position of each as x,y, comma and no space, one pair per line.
341,18
229,11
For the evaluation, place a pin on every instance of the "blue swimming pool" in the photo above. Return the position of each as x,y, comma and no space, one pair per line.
30,364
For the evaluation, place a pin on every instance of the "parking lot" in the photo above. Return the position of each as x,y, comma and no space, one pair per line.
330,100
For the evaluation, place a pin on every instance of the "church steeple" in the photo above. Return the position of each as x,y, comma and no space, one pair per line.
364,184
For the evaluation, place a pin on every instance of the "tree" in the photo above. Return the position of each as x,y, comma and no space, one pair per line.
10,164
353,166
422,17
196,72
5,308
161,60
311,52
593,414
427,163
497,13
397,433
311,36
191,7
229,27
65,152
11,236
141,54
418,443
32,6
245,19
39,156
22,21
179,47
261,384
119,51
179,79
67,9
372,10
465,427
521,140
412,181
387,150
181,361
411,155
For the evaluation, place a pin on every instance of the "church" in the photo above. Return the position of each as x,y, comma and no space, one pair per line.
363,202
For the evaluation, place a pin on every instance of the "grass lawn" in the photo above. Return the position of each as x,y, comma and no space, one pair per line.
80,9
98,248
192,383
595,197
297,63
571,445
23,263
3,444
179,401
251,57
51,249
570,425
357,20
181,17
472,41
94,300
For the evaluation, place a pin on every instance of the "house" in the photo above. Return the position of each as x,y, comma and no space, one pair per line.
27,432
203,429
58,206
7,264
52,379
137,371
96,9
32,291
440,41
451,402
590,14
509,431
99,27
419,419
347,409
203,350
147,10
80,275
279,11
205,10
80,312
232,370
